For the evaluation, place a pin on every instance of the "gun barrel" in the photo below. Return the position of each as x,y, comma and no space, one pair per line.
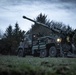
36,22
44,25
29,19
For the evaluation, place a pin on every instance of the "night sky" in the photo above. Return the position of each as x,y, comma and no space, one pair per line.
11,11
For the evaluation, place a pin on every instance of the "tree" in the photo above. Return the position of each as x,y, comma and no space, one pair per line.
7,40
16,32
42,18
11,39
17,29
8,33
18,35
36,28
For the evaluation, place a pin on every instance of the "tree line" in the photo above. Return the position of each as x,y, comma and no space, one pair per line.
10,40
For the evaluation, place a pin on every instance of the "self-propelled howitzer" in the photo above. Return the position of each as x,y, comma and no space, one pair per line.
46,45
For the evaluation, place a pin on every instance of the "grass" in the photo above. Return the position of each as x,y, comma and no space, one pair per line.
13,65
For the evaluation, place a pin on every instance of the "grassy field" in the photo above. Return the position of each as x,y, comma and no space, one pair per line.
13,65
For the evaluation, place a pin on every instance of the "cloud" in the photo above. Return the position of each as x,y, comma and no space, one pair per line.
12,11
71,1
69,4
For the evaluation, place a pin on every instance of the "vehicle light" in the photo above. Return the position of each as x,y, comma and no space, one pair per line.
34,36
59,40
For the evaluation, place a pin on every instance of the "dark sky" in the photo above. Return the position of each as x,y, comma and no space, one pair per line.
11,11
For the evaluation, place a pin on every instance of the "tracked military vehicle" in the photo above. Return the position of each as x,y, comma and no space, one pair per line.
52,45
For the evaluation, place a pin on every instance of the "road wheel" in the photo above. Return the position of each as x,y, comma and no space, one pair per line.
21,53
52,51
43,53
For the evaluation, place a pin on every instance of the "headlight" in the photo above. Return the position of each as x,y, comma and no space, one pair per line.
34,35
59,40
68,39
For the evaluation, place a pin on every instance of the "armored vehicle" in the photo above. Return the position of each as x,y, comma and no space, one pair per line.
52,45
